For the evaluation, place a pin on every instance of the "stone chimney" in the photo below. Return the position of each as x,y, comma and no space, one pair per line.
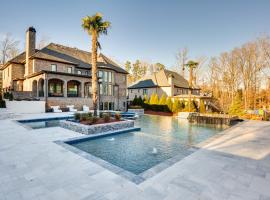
170,79
30,46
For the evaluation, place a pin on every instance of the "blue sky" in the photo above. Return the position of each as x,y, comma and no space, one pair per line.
150,30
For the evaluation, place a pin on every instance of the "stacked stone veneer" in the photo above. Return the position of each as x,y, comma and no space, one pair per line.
98,128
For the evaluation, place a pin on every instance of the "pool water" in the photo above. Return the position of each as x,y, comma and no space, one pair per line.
43,123
160,138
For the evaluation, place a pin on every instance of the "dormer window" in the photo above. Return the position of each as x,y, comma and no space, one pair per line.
54,67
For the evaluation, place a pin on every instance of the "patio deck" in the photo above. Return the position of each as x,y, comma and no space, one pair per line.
235,165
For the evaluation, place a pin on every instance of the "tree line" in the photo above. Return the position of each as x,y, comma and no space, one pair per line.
140,68
239,78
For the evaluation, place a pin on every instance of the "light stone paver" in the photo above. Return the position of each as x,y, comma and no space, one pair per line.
235,165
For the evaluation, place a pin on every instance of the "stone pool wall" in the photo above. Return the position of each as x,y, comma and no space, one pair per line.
98,128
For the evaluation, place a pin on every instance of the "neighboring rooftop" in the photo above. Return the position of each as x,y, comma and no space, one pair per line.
161,79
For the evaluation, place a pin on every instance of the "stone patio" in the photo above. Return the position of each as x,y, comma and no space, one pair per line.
235,165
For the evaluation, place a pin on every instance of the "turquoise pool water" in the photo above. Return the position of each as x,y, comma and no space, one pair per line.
160,138
43,123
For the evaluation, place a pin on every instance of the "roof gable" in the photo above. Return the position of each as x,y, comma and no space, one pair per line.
161,79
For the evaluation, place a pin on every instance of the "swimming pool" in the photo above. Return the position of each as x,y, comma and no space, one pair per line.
43,123
161,138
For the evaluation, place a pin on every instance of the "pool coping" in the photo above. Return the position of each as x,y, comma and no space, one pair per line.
23,122
137,179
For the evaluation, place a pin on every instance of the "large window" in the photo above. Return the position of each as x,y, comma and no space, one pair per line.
73,88
107,79
54,67
55,88
88,90
145,92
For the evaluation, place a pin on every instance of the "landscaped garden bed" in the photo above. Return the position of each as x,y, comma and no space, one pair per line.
87,124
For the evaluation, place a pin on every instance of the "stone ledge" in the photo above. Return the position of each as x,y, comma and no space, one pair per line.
98,128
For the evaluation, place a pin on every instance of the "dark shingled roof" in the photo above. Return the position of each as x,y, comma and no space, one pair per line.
64,54
161,79
147,83
75,56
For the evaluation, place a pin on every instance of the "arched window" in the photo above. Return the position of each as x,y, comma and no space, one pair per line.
73,88
55,88
41,87
34,88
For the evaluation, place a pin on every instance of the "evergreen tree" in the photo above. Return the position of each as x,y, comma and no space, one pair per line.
140,101
202,107
182,105
135,101
162,100
169,103
176,106
156,99
152,99
192,107
145,99
236,108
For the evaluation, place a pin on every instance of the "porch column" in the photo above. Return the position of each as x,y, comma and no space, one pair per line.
82,89
65,88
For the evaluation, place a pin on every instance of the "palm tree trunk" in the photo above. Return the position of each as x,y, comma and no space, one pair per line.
94,72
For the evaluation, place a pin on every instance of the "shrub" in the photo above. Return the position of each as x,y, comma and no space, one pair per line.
101,114
145,99
202,107
90,114
6,95
236,108
153,99
94,119
2,103
135,101
77,116
84,117
169,103
10,97
140,101
106,117
192,107
117,116
177,106
162,100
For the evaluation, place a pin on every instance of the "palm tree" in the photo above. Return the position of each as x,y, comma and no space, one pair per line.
95,26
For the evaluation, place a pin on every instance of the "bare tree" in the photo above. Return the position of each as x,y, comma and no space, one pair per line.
8,48
181,60
43,42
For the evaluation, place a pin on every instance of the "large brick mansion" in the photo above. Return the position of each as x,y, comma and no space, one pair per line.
61,75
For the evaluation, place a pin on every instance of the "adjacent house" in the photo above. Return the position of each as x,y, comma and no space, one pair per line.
163,82
166,82
61,75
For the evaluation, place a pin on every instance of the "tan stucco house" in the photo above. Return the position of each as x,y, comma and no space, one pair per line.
168,83
61,75
165,82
